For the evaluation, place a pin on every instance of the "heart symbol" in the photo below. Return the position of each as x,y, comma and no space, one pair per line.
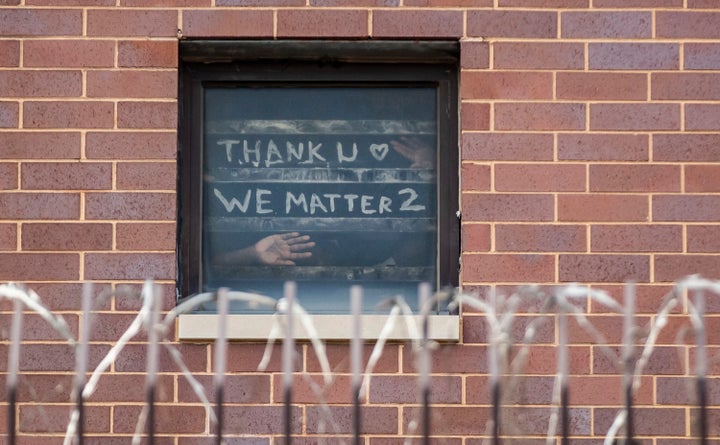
379,151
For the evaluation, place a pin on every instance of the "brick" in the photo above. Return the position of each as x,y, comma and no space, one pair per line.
507,207
687,24
67,296
35,328
603,147
453,358
134,358
538,55
702,117
266,3
635,117
118,388
702,178
146,236
686,147
245,357
417,23
475,177
224,23
450,420
40,22
9,112
508,268
51,206
474,55
44,388
550,4
675,267
130,145
8,176
167,3
70,2
540,116
54,418
264,420
507,147
56,357
634,178
129,266
535,420
69,53
374,420
638,3
520,24
692,86
701,4
322,23
680,329
686,208
175,419
109,327
543,360
147,115
604,268
67,236
634,56
129,300
475,116
130,206
703,239
713,365
678,390
700,56
647,421
540,238
606,390
337,355
636,238
506,85
448,3
237,389
210,440
404,389
117,439
475,238
68,114
131,23
534,390
602,86
9,53
8,237
66,176
309,388
539,177
606,24
148,54
45,145
140,84
40,83
476,329
32,267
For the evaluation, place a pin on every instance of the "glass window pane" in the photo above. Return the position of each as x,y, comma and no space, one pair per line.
327,186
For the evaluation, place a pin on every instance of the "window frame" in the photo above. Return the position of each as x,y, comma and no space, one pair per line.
320,63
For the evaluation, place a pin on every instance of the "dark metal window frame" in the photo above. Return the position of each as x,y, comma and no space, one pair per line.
314,63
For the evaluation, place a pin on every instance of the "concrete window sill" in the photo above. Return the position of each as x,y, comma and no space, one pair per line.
198,327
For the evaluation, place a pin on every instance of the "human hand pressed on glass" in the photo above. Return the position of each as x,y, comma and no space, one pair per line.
418,152
281,249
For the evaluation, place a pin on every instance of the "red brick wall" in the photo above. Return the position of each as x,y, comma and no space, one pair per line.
590,149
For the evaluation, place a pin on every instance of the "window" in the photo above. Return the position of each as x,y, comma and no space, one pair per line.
326,163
